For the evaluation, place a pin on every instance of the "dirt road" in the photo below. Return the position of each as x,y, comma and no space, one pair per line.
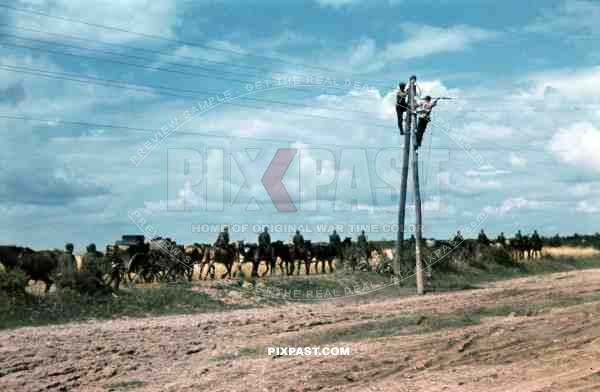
530,334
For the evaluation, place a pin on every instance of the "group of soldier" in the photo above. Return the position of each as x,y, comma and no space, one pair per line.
264,242
483,238
91,263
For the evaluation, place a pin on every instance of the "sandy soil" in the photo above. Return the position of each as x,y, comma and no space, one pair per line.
554,349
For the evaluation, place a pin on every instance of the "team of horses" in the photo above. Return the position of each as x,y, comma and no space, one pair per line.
163,260
169,261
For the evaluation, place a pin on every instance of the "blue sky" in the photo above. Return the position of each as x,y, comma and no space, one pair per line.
525,121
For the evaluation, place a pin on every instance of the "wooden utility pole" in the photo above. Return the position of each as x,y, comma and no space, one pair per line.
403,185
417,197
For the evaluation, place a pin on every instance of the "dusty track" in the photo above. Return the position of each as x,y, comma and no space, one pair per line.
554,348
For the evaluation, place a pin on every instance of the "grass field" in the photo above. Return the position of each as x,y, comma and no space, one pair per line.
219,295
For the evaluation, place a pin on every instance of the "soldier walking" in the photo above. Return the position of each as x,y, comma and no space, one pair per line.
90,263
67,261
116,267
363,247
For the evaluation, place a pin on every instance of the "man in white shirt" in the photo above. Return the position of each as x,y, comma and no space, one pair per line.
424,112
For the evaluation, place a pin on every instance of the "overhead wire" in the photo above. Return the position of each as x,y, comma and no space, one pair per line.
136,87
225,136
145,88
158,52
165,39
217,76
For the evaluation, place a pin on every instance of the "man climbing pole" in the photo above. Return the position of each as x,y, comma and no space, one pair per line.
401,105
424,113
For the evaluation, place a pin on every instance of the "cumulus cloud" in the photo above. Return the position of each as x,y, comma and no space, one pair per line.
588,206
225,52
467,185
45,186
486,171
517,161
148,182
419,41
148,17
580,85
512,204
578,145
426,40
186,198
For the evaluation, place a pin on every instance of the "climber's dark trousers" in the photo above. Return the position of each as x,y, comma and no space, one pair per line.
421,127
400,111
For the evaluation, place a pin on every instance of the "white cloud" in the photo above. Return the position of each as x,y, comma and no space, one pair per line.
486,171
146,17
577,84
578,145
186,199
466,185
342,3
337,3
286,38
588,207
426,40
478,130
363,56
515,203
517,161
224,51
420,41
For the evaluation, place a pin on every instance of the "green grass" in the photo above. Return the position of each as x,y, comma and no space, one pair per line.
332,286
365,285
67,305
471,277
